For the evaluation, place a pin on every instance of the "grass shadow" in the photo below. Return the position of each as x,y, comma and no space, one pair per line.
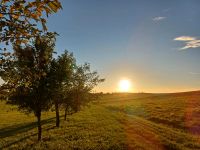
24,138
20,128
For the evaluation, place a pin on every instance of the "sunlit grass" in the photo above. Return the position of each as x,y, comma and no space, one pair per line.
93,128
118,121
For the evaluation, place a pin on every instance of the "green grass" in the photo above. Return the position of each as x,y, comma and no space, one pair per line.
93,128
118,121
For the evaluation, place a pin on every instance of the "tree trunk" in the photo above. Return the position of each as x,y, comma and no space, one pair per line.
57,115
65,113
39,125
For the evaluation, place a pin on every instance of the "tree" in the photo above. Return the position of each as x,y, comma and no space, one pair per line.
59,78
70,85
25,77
19,18
82,83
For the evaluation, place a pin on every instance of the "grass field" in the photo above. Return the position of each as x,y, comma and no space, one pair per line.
117,121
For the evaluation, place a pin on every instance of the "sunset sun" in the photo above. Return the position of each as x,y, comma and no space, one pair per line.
124,85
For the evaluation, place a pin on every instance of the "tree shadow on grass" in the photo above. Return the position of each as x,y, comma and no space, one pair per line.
7,145
20,128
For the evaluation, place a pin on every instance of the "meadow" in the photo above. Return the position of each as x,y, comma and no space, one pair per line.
115,121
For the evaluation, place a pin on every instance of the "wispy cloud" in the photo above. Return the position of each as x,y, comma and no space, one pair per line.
194,73
158,18
190,42
185,38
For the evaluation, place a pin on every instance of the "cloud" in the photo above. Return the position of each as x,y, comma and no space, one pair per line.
185,38
190,42
194,73
158,18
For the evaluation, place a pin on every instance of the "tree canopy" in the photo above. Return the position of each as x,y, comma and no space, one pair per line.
59,78
83,82
25,76
19,18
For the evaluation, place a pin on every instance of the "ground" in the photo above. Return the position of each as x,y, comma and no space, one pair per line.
116,121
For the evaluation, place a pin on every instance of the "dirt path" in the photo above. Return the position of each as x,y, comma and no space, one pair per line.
141,136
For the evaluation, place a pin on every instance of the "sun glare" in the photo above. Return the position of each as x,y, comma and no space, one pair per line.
124,85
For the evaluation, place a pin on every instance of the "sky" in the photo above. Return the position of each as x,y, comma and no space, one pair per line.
155,44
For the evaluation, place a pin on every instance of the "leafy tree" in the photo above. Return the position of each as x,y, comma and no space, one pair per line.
59,78
83,82
25,76
71,85
19,18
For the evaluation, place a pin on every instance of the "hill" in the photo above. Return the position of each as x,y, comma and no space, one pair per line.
116,121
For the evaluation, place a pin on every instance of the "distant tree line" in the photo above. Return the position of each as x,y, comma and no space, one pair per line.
36,81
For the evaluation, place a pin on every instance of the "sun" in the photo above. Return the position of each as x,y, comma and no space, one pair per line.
124,85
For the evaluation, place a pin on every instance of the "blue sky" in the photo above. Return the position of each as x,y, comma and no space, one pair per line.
153,43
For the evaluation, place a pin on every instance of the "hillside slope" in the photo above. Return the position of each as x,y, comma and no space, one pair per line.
117,121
